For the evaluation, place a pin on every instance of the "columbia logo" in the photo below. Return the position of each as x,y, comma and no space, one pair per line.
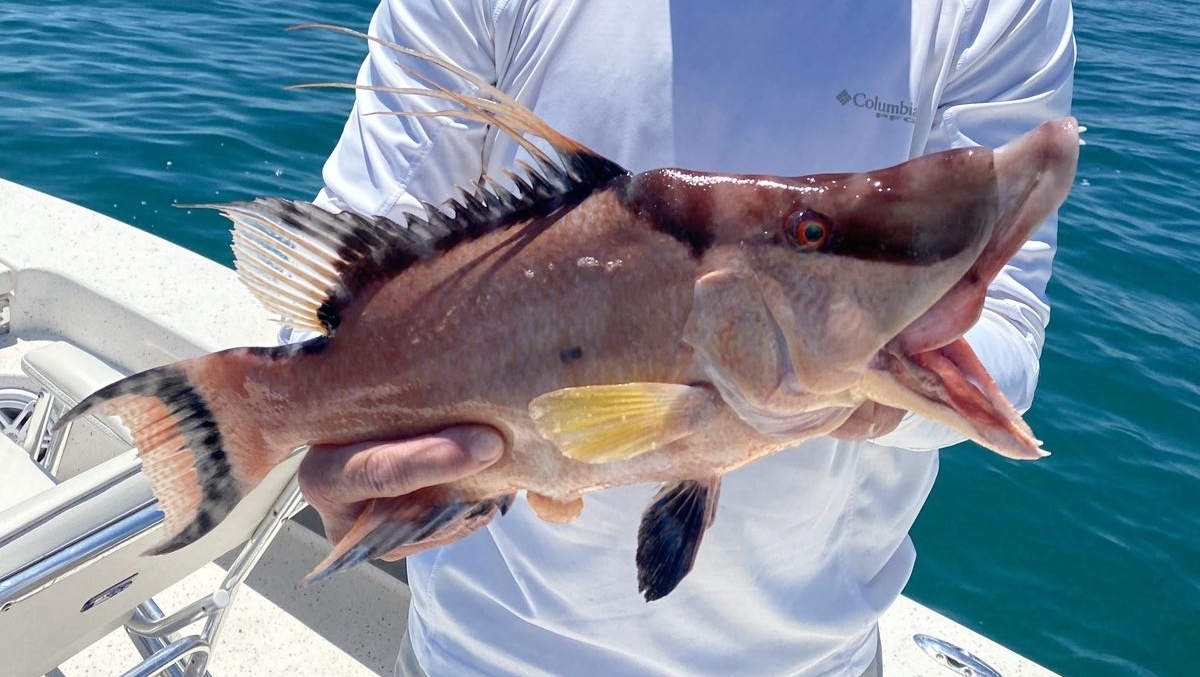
888,110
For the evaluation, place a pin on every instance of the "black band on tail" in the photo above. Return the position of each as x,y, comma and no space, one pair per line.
219,492
167,417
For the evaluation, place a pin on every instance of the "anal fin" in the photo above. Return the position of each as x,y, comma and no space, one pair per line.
600,424
671,531
408,524
554,510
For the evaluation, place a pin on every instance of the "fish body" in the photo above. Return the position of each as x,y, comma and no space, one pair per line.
616,328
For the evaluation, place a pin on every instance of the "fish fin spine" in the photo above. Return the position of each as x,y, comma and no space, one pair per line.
489,105
670,533
306,264
408,524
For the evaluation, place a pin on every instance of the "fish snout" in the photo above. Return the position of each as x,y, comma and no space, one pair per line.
1032,176
1034,173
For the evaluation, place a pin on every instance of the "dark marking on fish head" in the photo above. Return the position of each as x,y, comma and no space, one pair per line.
673,202
925,211
844,262
570,354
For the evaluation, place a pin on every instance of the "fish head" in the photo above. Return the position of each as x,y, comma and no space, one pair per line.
856,258
872,278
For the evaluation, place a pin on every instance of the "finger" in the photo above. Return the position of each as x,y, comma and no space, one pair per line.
357,472
338,518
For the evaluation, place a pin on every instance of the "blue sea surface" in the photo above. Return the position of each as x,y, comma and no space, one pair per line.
1088,561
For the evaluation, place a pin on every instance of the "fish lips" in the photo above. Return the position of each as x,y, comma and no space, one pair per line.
949,385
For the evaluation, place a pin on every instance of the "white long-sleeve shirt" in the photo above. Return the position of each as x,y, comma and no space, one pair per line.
809,546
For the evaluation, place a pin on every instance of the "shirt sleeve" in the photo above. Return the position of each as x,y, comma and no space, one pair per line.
383,163
1013,71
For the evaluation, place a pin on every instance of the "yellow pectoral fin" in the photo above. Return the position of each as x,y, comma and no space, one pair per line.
599,424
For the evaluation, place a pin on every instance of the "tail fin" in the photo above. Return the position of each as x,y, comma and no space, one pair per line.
180,446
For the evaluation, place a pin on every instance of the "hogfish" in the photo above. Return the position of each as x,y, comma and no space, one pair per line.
666,326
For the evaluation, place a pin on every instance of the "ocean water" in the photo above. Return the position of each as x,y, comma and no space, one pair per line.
1088,562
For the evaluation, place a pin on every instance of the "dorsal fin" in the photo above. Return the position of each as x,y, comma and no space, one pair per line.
307,264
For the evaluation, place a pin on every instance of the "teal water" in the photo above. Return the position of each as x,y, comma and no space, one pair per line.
1087,562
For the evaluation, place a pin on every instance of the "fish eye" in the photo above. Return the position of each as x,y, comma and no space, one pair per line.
807,229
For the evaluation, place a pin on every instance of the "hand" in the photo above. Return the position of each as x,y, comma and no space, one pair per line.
339,481
869,421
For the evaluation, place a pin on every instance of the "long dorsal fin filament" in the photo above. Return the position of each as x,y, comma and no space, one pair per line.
488,105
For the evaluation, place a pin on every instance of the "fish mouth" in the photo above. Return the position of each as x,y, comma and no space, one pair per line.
929,368
949,385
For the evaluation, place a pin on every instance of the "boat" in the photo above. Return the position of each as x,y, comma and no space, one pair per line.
85,299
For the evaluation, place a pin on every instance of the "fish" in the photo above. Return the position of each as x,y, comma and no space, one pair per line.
665,326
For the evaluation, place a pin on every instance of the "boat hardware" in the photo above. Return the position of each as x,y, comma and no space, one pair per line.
955,658
16,409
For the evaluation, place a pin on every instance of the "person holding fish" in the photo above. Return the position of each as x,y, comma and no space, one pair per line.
809,546
840,279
